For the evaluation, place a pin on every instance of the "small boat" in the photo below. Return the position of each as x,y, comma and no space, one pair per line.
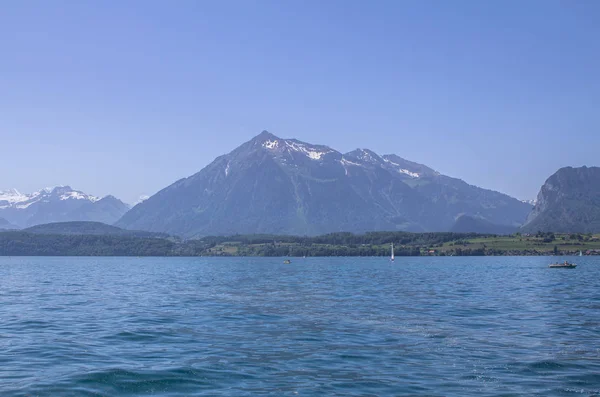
392,257
287,261
565,265
580,253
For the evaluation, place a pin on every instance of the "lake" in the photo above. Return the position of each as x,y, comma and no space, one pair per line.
454,326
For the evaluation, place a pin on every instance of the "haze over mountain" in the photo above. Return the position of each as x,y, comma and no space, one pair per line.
569,201
89,228
285,186
470,224
58,204
6,225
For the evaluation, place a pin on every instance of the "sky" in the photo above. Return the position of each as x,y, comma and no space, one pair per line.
126,97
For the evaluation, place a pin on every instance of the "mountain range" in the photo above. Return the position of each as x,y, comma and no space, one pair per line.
285,186
58,204
281,186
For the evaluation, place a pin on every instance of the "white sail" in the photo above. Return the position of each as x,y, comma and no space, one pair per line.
392,258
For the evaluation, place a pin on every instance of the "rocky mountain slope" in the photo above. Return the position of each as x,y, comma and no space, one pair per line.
568,202
285,186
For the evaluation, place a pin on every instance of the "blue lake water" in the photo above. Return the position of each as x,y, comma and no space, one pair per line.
490,326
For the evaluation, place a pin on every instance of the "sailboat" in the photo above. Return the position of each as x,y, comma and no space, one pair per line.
580,253
392,257
288,261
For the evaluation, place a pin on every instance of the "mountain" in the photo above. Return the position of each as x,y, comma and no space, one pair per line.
568,202
6,225
470,224
89,228
58,204
285,186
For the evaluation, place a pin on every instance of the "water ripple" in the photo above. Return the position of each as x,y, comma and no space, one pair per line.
334,326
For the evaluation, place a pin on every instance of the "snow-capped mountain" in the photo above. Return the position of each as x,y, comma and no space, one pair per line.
10,197
285,186
58,204
14,198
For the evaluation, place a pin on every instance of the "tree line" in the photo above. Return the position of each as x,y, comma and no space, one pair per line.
334,244
19,243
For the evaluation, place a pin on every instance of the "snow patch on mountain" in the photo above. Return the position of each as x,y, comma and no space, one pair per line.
407,172
281,146
345,163
142,198
271,144
312,152
78,196
402,170
348,162
24,204
12,196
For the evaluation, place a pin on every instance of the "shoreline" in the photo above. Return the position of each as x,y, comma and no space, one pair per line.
375,244
398,258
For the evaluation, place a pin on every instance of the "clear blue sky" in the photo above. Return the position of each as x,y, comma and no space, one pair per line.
125,97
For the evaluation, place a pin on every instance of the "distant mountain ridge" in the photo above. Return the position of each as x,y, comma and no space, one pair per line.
568,202
469,224
285,186
58,204
89,228
6,225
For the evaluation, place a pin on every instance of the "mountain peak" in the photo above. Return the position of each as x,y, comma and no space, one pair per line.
266,140
59,189
51,189
265,136
365,155
109,197
278,146
66,192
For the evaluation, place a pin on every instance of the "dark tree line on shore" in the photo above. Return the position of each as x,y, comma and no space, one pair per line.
335,244
19,243
343,238
24,244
